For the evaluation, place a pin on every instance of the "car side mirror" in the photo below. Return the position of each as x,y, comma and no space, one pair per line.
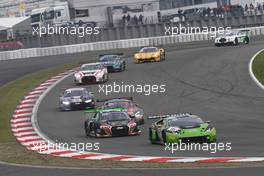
208,122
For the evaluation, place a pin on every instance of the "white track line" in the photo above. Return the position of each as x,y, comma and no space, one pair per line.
251,70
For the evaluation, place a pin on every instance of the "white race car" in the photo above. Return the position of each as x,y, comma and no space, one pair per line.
91,73
232,38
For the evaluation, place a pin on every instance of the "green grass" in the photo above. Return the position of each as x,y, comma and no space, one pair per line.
258,67
13,92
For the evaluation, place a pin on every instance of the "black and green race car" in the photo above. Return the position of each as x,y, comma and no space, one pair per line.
184,128
110,122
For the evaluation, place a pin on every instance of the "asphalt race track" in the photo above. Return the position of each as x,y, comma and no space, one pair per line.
211,82
25,171
13,69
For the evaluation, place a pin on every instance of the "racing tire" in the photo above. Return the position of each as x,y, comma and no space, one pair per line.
217,45
95,132
164,56
150,137
61,109
136,61
213,141
236,42
105,78
163,133
246,40
124,67
158,59
87,131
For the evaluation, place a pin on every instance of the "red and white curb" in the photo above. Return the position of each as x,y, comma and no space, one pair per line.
250,67
25,128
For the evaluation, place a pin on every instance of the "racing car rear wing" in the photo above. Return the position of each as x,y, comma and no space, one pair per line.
119,54
158,46
107,99
104,110
169,115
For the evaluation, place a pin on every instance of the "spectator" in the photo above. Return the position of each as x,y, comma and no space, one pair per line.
259,7
124,20
204,12
246,9
218,12
223,12
208,11
227,10
140,19
242,11
146,20
251,8
128,19
180,14
135,20
215,12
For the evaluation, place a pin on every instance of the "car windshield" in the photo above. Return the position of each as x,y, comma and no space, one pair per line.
242,32
73,93
118,104
148,50
225,34
184,122
114,116
90,67
35,18
109,58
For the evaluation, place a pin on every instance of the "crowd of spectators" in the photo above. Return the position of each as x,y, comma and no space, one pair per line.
128,20
224,11
196,13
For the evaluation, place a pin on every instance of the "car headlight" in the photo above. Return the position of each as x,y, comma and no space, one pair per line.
138,114
88,101
209,128
77,75
105,126
136,56
66,102
156,55
132,124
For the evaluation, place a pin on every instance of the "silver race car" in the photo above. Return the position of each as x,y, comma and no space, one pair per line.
76,98
91,73
232,38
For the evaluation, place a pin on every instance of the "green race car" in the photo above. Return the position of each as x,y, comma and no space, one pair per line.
184,128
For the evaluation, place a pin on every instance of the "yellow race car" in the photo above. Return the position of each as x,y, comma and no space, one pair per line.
149,54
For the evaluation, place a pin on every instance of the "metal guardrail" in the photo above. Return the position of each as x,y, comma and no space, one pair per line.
116,44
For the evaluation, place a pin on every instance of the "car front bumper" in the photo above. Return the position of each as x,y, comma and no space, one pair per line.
77,106
199,138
